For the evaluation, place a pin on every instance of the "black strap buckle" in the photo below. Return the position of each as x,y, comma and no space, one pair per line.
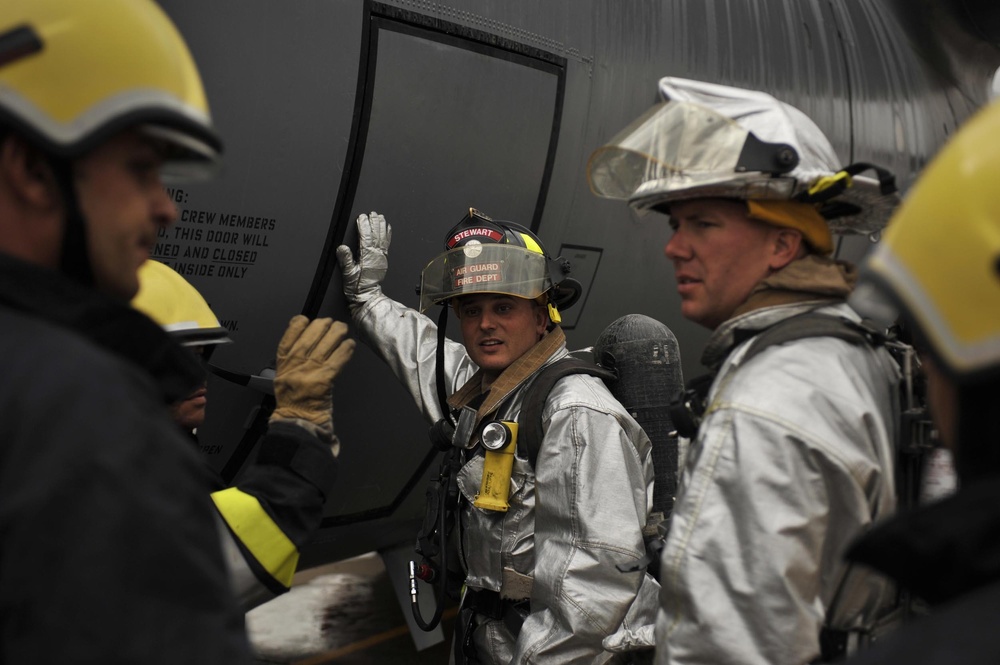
686,411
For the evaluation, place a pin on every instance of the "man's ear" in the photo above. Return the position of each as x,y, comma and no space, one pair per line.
788,246
541,319
28,173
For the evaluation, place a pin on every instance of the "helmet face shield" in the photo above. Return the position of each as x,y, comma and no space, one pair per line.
680,150
484,268
185,157
674,145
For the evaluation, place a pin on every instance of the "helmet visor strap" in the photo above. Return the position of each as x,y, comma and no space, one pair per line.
74,260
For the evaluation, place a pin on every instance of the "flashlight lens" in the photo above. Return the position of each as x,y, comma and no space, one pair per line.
495,436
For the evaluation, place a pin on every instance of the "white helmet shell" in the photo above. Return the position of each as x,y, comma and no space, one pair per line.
693,146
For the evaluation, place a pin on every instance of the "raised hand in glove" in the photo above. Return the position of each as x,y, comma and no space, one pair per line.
310,355
363,277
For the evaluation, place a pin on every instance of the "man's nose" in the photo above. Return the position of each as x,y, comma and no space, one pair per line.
487,321
164,208
672,249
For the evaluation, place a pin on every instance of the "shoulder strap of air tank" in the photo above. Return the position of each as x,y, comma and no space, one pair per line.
813,324
530,432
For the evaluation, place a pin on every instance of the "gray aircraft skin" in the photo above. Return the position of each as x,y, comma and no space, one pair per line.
420,109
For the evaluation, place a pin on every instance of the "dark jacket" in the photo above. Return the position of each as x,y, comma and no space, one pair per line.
948,554
109,545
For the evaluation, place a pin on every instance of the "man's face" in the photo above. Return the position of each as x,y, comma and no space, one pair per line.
189,412
124,204
719,255
499,329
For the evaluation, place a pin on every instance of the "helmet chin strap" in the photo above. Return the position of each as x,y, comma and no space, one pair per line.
74,261
442,389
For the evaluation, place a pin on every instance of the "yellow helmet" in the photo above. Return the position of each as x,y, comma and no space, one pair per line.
939,260
72,74
170,300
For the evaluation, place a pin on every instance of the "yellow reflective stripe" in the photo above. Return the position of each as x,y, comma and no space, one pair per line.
530,243
258,533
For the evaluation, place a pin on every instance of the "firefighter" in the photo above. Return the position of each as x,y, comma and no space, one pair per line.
277,505
176,306
794,455
938,267
110,544
540,544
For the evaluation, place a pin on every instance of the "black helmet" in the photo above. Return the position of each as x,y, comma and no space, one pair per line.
483,255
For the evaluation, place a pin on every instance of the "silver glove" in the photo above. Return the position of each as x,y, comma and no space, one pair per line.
363,277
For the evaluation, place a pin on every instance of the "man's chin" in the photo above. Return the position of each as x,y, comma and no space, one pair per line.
123,288
696,316
491,364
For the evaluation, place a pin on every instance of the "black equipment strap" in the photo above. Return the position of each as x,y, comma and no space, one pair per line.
687,411
530,433
442,390
811,324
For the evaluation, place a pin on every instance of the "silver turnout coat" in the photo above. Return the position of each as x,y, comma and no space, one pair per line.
572,519
793,460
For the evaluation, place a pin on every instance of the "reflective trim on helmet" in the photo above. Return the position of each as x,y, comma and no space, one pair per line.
194,152
960,332
531,243
484,268
189,333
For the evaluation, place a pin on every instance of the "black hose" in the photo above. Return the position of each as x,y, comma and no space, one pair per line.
440,580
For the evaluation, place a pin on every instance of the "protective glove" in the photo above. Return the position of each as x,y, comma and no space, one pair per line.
310,355
363,278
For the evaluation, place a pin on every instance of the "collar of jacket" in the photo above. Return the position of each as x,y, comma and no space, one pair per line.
512,377
941,550
804,284
110,324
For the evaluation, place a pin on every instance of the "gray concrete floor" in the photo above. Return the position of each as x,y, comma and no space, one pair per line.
344,613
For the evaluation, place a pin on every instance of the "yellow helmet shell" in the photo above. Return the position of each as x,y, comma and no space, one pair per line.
74,73
170,300
940,257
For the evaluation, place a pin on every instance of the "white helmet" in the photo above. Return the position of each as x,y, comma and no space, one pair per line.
708,140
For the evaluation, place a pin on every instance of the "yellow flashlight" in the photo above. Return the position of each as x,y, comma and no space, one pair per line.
499,438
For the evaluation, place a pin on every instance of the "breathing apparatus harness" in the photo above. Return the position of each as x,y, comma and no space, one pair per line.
914,432
499,438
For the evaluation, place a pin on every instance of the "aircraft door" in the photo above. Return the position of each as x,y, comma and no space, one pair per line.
448,121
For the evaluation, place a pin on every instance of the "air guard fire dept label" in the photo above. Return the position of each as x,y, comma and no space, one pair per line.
477,273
